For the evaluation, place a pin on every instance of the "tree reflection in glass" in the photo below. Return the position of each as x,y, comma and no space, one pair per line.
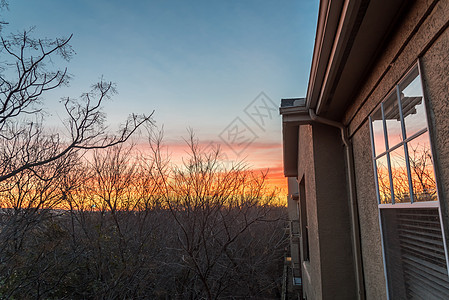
403,155
421,168
399,175
383,180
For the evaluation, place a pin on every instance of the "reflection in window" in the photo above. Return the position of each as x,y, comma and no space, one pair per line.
414,250
378,132
383,179
393,120
421,167
402,153
399,174
412,104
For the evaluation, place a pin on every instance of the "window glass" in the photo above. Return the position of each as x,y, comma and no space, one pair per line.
421,168
378,132
399,175
303,219
412,104
383,179
413,241
393,120
403,157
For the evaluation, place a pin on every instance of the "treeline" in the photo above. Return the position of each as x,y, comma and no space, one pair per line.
82,216
125,226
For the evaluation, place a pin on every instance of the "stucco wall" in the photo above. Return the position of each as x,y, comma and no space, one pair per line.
422,33
435,65
416,32
371,243
311,270
330,272
333,214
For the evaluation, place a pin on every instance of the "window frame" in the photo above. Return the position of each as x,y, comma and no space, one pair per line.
303,221
404,143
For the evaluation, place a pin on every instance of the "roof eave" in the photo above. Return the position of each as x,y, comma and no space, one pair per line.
350,35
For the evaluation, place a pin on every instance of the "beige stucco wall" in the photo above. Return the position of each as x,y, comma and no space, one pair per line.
422,34
435,65
311,270
372,256
330,272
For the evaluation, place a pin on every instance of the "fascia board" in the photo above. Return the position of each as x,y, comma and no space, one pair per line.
328,19
348,18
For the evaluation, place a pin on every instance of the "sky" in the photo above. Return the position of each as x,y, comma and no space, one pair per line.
218,67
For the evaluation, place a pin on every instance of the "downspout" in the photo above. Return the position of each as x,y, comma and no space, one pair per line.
355,228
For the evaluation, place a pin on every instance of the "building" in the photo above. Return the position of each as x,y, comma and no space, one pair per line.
367,156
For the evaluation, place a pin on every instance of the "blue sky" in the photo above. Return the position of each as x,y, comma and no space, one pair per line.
198,64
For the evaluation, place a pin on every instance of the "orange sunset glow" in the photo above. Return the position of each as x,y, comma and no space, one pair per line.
141,146
259,157
119,178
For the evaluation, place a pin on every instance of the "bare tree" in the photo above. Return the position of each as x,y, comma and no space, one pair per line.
118,225
135,226
24,78
215,210
39,169
423,176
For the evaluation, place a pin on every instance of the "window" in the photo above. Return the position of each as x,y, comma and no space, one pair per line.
401,145
302,207
413,243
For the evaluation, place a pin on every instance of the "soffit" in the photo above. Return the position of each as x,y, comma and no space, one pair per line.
358,41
